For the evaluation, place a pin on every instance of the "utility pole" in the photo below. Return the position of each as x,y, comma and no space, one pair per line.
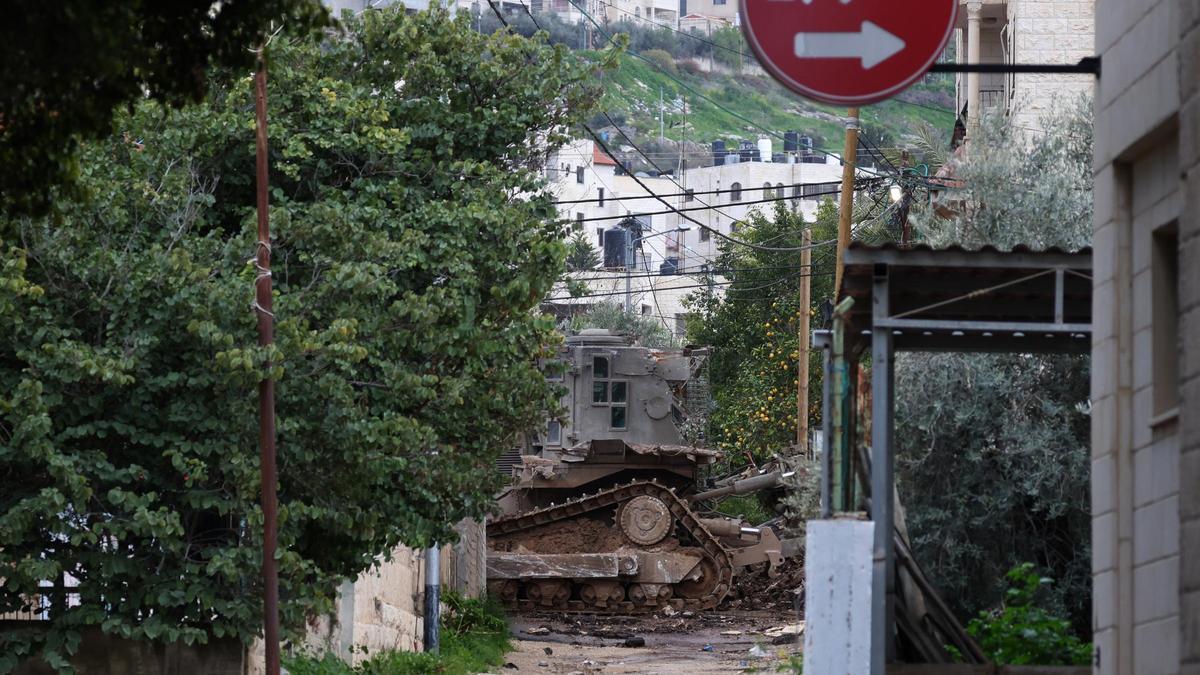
849,158
805,338
266,387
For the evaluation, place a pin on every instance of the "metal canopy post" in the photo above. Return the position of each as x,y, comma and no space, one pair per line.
882,492
823,340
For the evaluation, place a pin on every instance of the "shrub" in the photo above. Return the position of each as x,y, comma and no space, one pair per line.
690,66
1019,632
661,59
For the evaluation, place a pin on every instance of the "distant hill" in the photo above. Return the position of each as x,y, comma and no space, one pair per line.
682,65
632,99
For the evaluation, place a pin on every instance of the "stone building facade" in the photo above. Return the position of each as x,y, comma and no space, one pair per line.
1023,31
1146,341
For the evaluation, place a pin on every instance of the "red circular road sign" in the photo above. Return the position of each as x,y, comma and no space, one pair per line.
848,52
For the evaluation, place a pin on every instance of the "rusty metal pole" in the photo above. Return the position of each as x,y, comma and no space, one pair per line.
805,338
266,387
849,159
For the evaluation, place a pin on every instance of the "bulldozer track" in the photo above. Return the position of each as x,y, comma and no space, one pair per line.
716,557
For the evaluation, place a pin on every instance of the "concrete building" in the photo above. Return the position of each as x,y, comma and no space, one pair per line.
1146,340
665,12
1022,31
734,190
726,10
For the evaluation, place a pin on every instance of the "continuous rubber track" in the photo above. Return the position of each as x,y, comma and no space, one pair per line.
716,556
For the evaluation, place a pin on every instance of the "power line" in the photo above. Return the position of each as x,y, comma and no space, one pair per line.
718,192
773,282
681,83
706,207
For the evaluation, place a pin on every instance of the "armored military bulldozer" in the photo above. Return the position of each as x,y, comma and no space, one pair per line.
606,513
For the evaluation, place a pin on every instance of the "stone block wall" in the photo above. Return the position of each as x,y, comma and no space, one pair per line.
1187,21
1139,494
1048,31
383,609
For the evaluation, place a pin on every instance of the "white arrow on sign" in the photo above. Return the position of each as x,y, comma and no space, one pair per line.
873,45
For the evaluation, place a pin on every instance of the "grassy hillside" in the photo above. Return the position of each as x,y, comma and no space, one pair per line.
632,93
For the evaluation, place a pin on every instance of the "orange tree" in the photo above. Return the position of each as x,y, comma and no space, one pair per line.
753,326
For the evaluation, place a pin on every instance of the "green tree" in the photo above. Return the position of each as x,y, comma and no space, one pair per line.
68,65
993,460
581,255
647,331
407,279
753,328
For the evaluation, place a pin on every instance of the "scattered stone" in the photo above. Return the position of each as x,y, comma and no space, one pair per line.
670,611
635,642
731,632
543,664
549,652
706,648
511,666
540,630
688,614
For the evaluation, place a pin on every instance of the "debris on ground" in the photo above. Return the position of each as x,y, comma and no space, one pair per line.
754,589
757,652
539,630
634,642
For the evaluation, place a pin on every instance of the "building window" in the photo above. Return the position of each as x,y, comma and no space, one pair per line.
735,226
689,195
579,175
579,221
1165,283
705,235
601,200
553,433
735,193
718,2
600,238
768,191
795,194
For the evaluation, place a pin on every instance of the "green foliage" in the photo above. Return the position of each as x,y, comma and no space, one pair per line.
747,507
661,59
646,331
1020,189
1019,632
474,638
993,464
581,255
754,329
406,280
68,65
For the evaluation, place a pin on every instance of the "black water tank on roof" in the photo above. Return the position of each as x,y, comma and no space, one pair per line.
616,246
791,141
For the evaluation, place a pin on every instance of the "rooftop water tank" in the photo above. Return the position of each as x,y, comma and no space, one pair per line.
764,148
616,246
791,141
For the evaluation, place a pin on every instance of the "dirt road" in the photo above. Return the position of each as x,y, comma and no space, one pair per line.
679,644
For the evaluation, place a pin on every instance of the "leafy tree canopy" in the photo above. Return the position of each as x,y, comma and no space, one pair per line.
69,64
647,331
994,454
407,276
754,328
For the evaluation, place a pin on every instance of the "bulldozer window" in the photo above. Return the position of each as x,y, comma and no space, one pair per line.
617,417
599,367
619,390
599,392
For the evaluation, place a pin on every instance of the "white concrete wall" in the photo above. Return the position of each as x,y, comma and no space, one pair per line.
837,604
